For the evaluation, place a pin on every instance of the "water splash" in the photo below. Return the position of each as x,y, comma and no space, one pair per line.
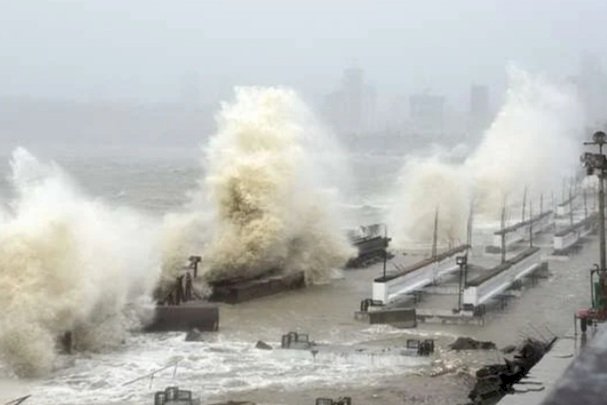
533,142
67,263
268,200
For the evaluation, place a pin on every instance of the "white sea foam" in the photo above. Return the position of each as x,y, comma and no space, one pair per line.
67,263
268,199
217,367
533,142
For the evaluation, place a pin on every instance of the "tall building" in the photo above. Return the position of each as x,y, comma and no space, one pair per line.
190,94
592,89
351,107
427,115
479,114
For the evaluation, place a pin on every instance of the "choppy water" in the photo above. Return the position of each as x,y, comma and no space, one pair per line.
226,365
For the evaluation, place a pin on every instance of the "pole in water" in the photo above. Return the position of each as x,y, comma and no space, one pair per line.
385,248
18,400
585,204
570,206
385,260
524,204
541,204
530,223
462,262
503,225
602,217
435,234
469,226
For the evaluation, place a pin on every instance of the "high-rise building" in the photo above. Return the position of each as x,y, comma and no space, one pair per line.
592,89
427,114
190,94
351,107
479,117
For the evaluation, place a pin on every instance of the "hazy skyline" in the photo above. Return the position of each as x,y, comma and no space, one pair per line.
142,50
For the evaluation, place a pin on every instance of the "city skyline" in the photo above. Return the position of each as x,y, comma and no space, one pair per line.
141,50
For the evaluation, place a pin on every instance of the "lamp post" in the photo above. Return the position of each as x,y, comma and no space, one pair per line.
462,262
194,261
385,243
597,163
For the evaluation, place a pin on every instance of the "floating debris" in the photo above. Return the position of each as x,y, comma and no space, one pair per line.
194,335
175,396
294,340
263,345
413,347
18,400
329,401
467,343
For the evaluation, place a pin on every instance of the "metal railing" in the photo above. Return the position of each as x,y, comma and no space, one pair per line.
18,400
152,374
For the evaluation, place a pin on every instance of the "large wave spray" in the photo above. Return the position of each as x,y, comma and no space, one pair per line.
67,263
533,142
266,202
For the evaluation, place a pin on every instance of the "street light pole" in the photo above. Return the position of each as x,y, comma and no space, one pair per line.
602,217
462,262
597,162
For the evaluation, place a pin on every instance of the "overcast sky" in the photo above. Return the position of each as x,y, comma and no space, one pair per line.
143,49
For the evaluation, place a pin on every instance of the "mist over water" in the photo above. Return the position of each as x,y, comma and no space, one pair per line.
269,196
533,142
67,263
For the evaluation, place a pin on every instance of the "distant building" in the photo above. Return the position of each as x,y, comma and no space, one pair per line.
190,94
427,116
479,114
351,107
592,89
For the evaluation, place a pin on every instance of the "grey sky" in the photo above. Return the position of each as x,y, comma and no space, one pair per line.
142,49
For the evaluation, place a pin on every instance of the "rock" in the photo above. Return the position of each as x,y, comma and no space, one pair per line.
493,381
509,349
194,335
466,343
263,345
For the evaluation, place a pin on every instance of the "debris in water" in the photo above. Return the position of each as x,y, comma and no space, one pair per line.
194,335
329,401
175,396
467,343
263,345
496,380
